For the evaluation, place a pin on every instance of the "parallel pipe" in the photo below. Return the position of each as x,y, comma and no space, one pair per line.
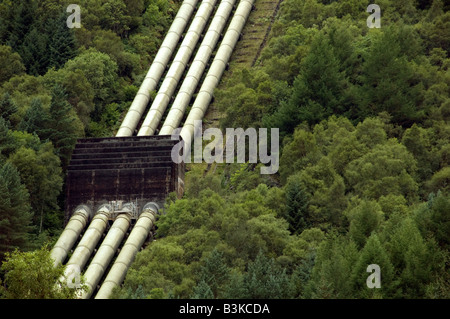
90,239
197,68
105,253
216,70
71,233
156,69
177,68
128,252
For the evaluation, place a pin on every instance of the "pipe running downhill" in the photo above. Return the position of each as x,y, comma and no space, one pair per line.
105,253
156,69
71,233
216,70
197,68
89,241
129,250
177,68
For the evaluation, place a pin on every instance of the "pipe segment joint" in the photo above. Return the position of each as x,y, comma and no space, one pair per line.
199,64
216,70
168,87
151,207
105,209
156,69
72,231
133,244
84,210
106,252
88,242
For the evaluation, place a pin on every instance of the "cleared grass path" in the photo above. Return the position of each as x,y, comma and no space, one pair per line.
248,49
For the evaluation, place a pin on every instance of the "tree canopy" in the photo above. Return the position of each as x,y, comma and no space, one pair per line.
363,174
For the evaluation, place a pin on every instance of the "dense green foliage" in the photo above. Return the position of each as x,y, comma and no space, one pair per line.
351,200
58,84
363,175
25,269
364,164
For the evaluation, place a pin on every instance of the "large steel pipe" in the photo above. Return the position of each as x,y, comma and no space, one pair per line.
89,240
71,233
197,68
216,70
105,253
177,68
128,252
156,69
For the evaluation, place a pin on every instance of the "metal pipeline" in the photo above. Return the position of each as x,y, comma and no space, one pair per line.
71,233
105,253
90,239
128,252
146,220
197,68
177,68
156,69
216,70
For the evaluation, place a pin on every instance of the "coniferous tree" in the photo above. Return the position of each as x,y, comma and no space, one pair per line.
42,41
7,107
202,291
314,98
61,43
302,274
35,120
214,272
374,253
64,126
235,289
388,80
40,172
438,216
25,35
297,205
418,141
15,216
20,20
11,63
332,269
7,141
413,258
34,51
364,219
264,279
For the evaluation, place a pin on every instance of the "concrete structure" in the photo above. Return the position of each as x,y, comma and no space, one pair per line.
122,169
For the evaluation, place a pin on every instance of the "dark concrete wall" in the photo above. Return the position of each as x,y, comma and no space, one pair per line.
122,168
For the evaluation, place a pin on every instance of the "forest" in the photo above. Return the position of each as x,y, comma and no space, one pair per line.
364,175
